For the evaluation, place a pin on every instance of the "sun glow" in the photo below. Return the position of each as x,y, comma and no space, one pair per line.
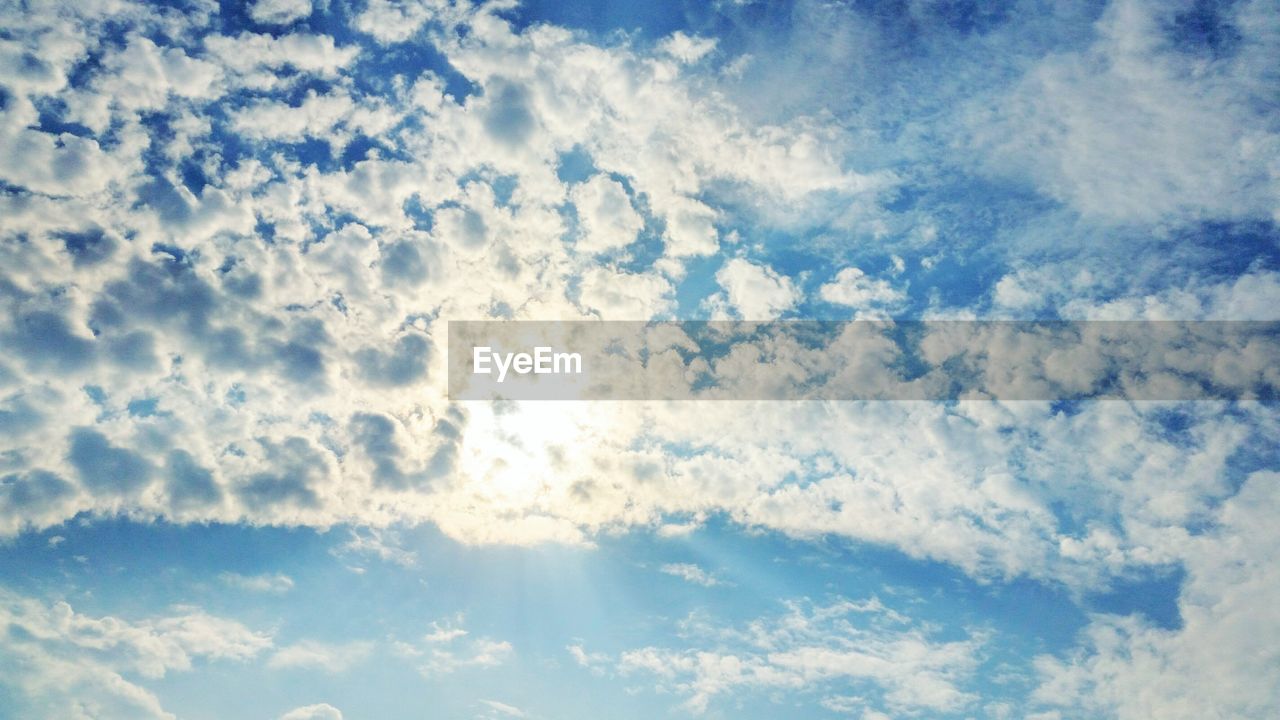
520,454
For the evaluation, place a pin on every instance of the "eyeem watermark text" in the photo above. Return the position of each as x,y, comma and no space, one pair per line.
932,360
543,361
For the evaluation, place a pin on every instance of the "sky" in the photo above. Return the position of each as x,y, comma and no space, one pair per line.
232,483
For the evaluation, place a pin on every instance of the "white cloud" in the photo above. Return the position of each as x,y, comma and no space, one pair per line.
333,117
393,22
690,228
691,573
56,662
593,661
55,164
144,76
854,288
1132,130
1215,664
293,348
279,12
448,647
618,295
254,58
818,646
754,292
309,384
275,584
687,48
503,709
478,653
327,657
382,544
445,632
320,711
608,220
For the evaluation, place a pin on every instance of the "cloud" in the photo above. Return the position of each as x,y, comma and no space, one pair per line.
1136,129
687,48
320,711
811,646
754,292
276,584
503,709
255,59
144,76
608,220
448,648
593,661
621,295
1126,668
61,663
326,657
691,573
381,544
279,12
854,288
61,164
227,262
478,653
246,295
394,22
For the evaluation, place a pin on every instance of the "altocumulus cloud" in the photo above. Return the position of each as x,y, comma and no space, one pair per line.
229,252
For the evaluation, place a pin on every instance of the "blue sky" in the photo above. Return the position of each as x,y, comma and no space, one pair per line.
232,236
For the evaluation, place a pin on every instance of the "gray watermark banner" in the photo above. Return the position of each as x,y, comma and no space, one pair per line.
938,360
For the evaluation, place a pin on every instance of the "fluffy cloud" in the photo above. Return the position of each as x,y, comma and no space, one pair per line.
227,261
279,12
257,59
394,22
753,292
1126,668
617,295
854,288
608,220
237,343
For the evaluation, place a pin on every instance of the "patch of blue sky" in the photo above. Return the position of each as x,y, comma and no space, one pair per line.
376,72
575,165
698,284
652,20
1153,594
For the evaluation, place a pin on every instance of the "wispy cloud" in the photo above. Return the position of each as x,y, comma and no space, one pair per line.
503,709
59,660
327,657
276,584
901,666
692,573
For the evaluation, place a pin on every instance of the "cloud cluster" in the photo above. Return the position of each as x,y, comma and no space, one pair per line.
1215,663
448,647
227,261
1162,117
859,646
61,663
